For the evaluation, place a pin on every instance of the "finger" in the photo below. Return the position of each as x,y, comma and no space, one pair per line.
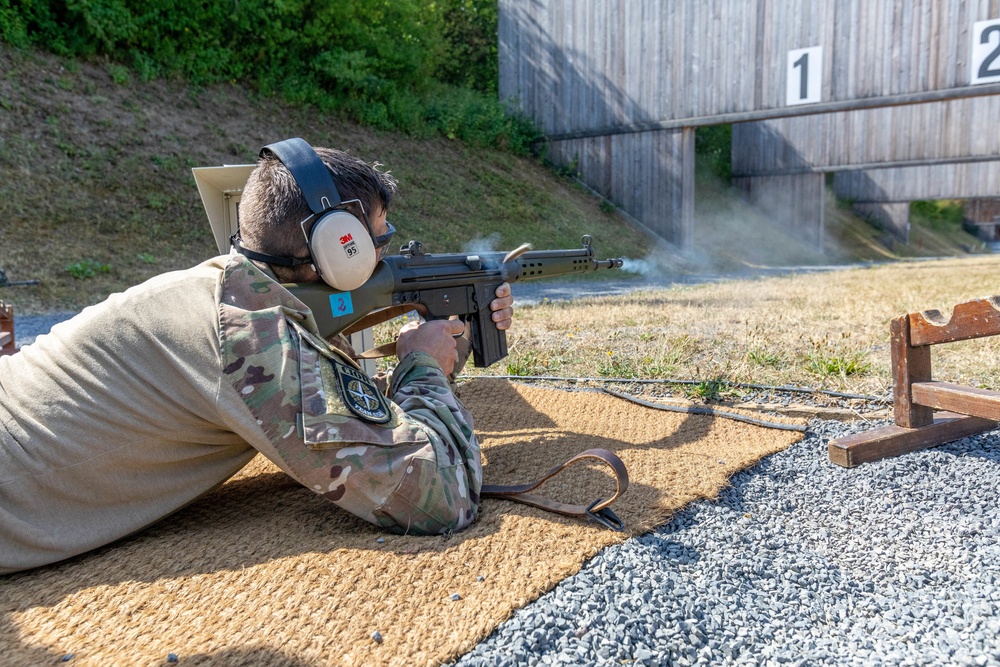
501,315
503,318
409,326
501,303
454,327
503,290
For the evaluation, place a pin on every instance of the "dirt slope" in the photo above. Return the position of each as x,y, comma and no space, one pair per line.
96,191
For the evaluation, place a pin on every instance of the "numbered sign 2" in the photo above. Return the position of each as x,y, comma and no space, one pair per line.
341,304
985,61
804,76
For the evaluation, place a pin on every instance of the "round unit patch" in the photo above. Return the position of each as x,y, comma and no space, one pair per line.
361,396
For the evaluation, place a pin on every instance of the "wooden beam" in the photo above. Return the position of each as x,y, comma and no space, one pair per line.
972,319
971,401
879,101
894,440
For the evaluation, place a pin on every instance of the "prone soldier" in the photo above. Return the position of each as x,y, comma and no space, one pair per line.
142,403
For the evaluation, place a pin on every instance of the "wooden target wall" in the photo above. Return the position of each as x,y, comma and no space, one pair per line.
602,68
883,158
906,184
958,130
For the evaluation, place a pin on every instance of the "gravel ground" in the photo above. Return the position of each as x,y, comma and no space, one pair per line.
798,562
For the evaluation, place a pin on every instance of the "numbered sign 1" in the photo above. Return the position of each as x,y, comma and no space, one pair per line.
985,61
805,75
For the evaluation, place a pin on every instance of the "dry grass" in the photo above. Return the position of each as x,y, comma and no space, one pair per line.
824,330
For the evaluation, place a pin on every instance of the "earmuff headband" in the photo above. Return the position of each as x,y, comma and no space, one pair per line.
309,172
237,243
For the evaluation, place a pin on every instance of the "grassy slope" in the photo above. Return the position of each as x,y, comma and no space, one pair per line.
99,171
95,171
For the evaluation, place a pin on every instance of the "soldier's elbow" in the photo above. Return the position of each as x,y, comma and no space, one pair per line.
436,520
430,502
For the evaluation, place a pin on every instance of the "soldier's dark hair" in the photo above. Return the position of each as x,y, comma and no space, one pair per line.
272,205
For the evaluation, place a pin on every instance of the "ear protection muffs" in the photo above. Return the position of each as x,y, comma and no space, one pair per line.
340,245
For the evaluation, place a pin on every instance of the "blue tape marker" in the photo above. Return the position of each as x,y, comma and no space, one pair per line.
341,304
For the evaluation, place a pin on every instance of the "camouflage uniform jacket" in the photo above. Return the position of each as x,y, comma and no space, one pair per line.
410,464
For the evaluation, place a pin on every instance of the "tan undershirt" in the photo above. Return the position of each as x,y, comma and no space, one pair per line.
116,419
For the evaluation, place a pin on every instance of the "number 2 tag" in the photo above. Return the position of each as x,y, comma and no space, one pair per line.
341,304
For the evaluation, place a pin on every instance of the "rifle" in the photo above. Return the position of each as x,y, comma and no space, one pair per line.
6,282
441,286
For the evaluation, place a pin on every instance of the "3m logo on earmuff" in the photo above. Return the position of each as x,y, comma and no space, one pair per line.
349,246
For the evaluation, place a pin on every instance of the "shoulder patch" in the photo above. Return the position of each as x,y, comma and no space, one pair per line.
360,395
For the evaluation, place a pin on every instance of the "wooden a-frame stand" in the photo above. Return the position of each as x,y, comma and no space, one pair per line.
962,411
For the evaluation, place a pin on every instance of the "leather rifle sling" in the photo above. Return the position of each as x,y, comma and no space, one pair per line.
372,319
599,510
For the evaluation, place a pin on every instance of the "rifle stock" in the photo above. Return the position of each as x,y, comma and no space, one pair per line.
442,286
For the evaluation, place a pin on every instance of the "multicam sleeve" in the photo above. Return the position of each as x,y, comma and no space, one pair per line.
419,473
449,483
412,468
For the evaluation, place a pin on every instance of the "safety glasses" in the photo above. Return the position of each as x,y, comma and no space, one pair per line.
380,242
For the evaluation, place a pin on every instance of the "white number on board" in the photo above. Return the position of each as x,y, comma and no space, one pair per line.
804,75
985,62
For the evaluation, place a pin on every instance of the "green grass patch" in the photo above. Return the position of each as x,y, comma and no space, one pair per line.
840,365
86,269
530,363
707,390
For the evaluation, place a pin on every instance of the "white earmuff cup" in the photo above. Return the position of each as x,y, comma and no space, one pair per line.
342,250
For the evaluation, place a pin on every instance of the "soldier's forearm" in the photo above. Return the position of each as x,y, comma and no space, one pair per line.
451,483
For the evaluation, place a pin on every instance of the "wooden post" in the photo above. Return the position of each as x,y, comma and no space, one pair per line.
685,226
909,364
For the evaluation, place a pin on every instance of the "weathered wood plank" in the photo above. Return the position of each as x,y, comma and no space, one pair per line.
950,130
941,181
971,401
652,61
973,319
889,441
909,364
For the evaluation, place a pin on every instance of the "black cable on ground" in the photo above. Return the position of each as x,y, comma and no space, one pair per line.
741,385
696,410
